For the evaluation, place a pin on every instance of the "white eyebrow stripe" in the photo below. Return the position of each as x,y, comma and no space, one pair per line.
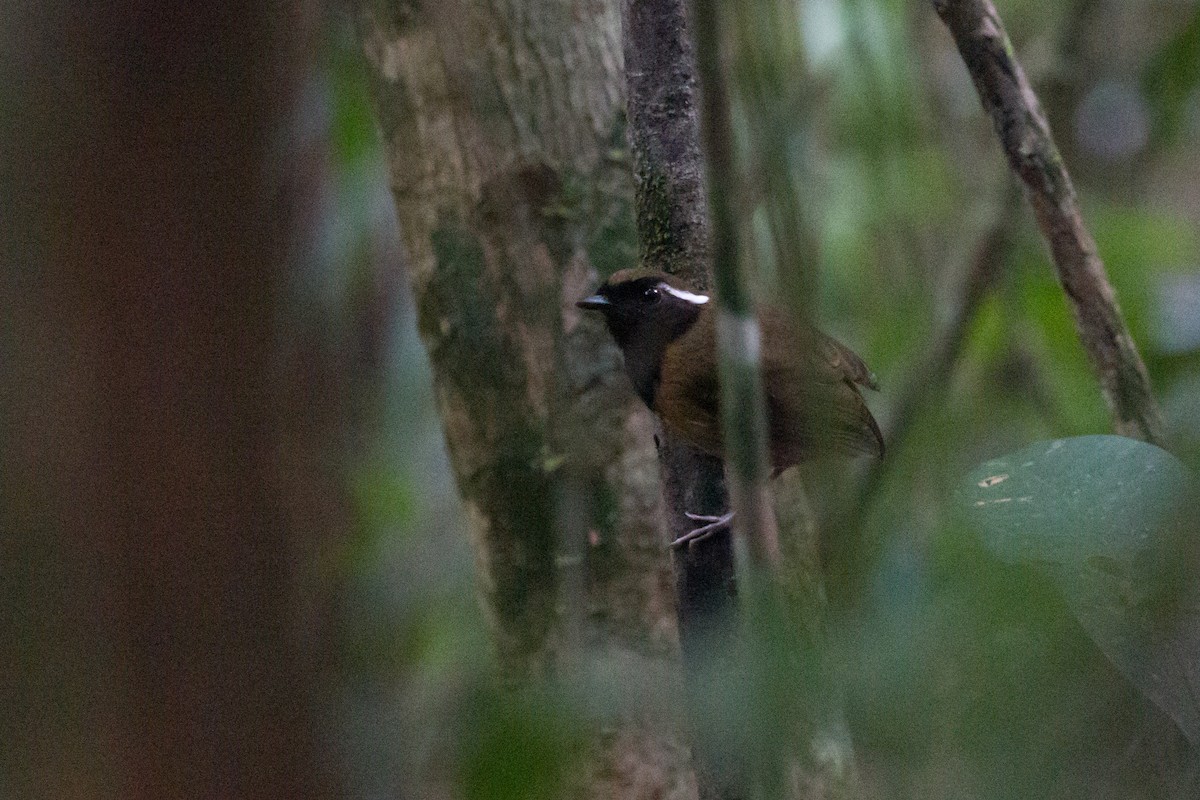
698,299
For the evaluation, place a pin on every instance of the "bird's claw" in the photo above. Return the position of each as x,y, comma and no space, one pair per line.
713,524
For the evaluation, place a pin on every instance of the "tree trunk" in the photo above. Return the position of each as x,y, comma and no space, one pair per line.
503,126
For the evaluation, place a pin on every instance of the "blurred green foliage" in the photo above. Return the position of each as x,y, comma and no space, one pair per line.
516,747
1171,79
1110,521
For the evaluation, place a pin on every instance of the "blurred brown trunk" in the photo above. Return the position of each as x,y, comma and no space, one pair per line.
503,127
159,639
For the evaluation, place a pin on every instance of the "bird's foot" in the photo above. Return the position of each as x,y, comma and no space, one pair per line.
712,525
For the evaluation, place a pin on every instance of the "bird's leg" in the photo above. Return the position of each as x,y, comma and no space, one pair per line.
713,525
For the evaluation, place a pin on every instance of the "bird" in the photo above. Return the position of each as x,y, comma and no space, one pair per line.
667,334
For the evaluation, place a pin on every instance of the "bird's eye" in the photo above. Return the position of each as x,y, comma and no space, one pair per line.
651,295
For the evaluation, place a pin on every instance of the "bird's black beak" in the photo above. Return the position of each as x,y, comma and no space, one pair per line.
596,302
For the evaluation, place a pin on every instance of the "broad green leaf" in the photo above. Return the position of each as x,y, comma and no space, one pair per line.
1108,520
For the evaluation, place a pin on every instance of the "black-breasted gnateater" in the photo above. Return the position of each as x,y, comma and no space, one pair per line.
668,335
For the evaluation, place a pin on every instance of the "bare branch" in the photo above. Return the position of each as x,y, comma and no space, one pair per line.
1025,136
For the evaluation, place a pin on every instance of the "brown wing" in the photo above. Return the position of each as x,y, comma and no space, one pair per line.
811,381
814,401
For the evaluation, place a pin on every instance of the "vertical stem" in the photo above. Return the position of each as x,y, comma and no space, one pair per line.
739,338
163,633
744,420
673,228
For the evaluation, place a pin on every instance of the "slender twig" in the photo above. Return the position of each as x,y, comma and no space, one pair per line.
1025,136
768,66
743,406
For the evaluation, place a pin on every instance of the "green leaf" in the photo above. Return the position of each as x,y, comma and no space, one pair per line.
1108,520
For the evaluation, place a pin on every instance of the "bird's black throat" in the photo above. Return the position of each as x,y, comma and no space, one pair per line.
645,314
644,346
645,375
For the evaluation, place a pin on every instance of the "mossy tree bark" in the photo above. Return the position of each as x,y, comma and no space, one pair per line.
503,127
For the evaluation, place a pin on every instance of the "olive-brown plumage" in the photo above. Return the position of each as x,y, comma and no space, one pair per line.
667,333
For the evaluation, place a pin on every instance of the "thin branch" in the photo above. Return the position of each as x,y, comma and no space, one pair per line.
743,402
1025,136
664,138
